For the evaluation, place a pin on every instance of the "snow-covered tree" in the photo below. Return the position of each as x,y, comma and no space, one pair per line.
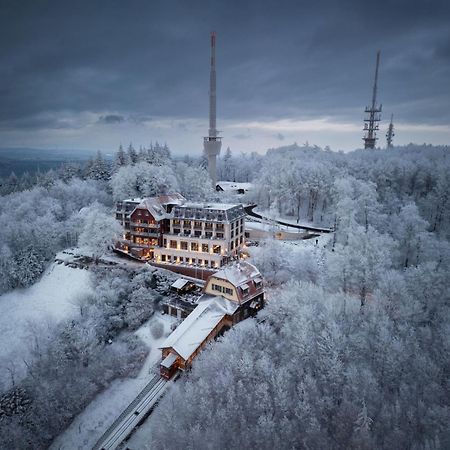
100,231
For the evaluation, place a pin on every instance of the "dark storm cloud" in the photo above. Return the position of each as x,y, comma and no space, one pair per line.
142,59
111,119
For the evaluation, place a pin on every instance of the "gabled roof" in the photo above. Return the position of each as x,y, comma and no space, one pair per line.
180,283
191,333
156,205
234,186
238,273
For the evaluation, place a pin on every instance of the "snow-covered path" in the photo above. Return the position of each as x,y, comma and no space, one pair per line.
52,298
88,426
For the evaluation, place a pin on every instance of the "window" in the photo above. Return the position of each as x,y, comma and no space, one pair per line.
163,258
193,260
197,233
208,225
219,226
208,234
183,245
232,234
176,231
258,283
219,235
173,244
231,245
217,248
176,222
194,246
241,229
181,259
236,242
187,232
200,261
228,291
205,248
187,223
165,242
216,287
197,224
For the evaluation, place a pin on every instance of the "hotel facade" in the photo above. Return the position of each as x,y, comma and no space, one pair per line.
169,230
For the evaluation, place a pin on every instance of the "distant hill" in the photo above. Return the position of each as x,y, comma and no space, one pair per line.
20,160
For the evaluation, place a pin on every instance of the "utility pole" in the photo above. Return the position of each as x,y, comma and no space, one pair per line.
390,133
212,143
373,112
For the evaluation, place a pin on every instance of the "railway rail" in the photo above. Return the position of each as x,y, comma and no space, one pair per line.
133,415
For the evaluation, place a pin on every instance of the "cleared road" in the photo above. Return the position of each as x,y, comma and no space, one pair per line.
249,211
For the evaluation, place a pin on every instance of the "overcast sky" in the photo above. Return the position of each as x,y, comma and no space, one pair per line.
94,74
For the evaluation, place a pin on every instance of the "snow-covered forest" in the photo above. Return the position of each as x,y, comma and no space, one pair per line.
352,350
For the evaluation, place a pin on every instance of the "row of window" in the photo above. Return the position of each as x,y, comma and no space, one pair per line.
194,247
145,241
222,289
233,231
236,242
188,223
198,233
186,260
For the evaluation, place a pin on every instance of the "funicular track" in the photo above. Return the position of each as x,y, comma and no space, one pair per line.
133,415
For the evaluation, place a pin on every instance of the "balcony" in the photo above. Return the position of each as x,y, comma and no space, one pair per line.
145,225
145,234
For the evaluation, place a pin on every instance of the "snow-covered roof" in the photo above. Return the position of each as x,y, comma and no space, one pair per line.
133,200
168,361
156,205
211,206
190,334
180,283
220,212
233,186
238,274
228,306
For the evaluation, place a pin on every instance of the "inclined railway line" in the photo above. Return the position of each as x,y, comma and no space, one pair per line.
133,415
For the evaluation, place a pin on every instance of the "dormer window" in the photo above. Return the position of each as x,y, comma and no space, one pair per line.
245,289
258,283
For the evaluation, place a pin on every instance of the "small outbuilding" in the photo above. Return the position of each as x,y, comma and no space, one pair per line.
182,286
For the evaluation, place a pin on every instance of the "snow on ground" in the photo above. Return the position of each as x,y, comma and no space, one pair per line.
88,426
53,298
270,226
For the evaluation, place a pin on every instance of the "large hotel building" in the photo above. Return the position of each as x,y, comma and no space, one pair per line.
169,230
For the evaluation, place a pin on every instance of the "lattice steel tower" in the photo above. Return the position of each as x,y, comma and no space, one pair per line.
212,143
390,133
373,112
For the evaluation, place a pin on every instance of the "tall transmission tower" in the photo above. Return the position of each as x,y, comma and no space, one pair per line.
371,122
390,133
212,143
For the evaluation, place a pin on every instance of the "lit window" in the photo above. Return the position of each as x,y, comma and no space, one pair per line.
205,248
